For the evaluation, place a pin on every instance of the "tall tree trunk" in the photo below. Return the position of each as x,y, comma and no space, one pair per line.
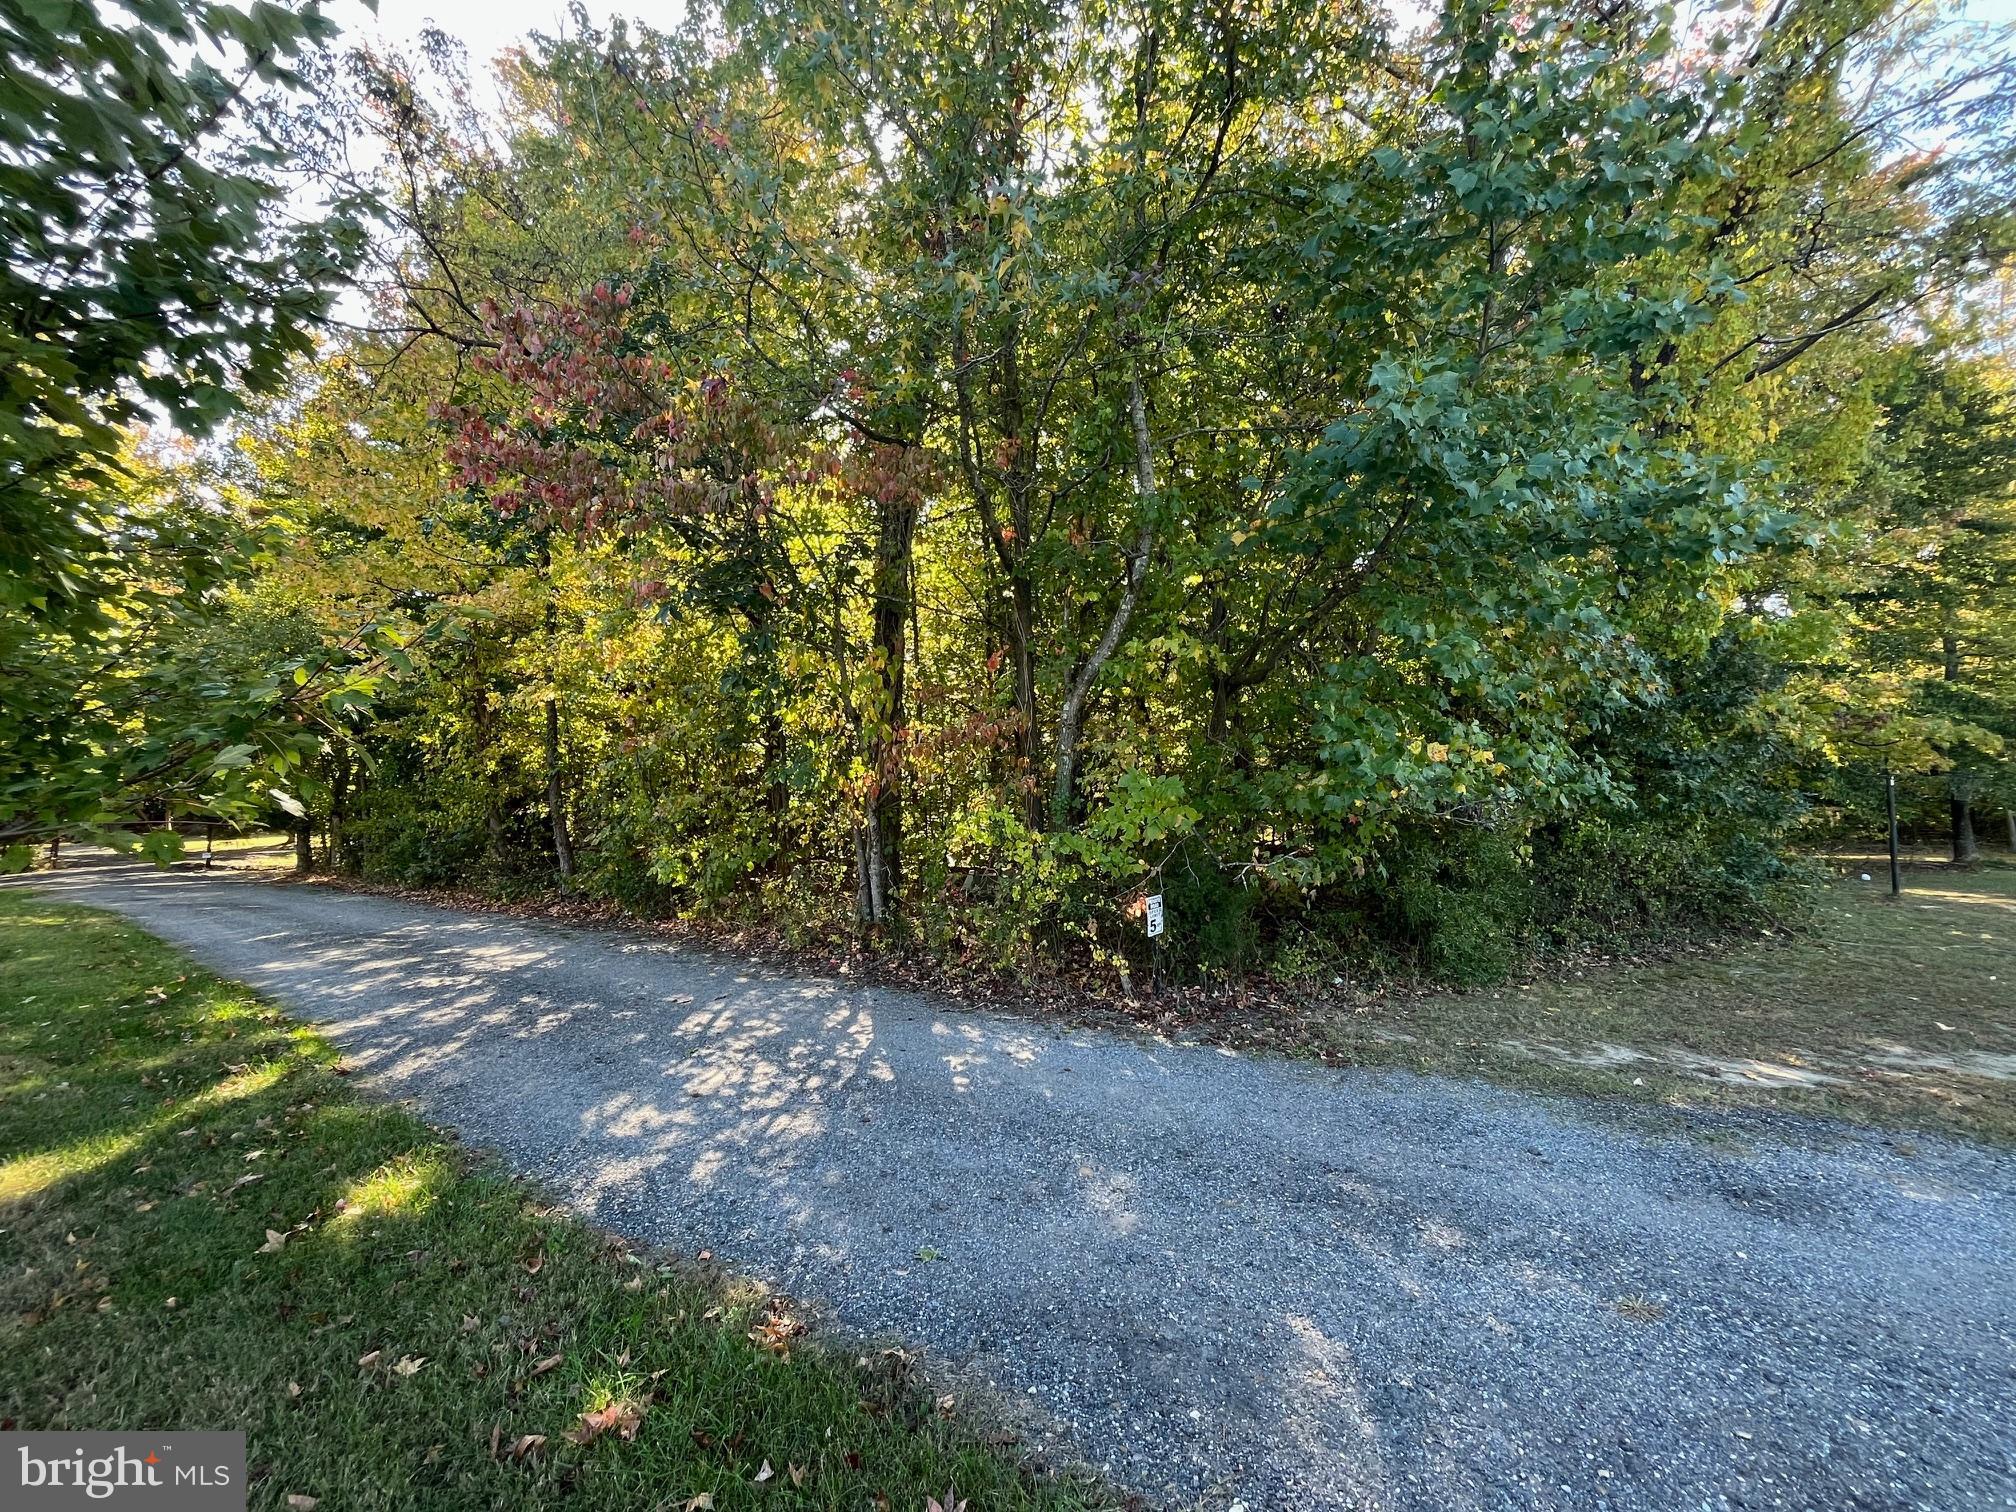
2011,817
1065,793
304,847
879,844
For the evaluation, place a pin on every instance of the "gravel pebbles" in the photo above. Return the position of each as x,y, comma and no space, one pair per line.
1228,1280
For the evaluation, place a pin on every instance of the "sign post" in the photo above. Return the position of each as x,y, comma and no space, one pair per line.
1155,924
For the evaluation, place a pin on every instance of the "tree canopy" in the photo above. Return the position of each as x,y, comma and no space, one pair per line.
1399,493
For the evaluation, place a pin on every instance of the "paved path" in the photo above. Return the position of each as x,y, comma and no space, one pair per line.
1230,1278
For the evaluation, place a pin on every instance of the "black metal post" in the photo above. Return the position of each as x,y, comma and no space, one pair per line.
1890,799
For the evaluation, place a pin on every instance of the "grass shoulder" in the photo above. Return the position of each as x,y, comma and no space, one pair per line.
1893,1012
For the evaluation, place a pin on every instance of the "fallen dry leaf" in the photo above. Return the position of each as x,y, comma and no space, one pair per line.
797,1473
274,1242
530,1444
541,1367
409,1365
469,1323
298,1503
620,1418
366,1361
765,1473
700,1503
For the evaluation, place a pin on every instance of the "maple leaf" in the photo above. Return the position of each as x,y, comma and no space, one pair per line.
409,1365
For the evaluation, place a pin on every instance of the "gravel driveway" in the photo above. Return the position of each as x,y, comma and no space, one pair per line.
1230,1279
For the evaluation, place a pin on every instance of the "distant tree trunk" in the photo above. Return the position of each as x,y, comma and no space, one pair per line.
1965,851
556,792
304,846
480,714
1959,785
339,810
2011,817
556,777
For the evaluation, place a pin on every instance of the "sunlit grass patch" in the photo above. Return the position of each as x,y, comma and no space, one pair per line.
202,1226
1886,1011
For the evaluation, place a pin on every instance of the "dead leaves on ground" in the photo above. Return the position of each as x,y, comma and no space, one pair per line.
777,1329
621,1418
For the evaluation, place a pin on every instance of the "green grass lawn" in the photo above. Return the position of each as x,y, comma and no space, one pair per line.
201,1226
1894,1012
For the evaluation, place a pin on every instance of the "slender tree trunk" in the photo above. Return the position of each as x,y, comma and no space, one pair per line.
304,847
1064,795
879,846
1960,796
556,777
556,793
339,808
480,726
2011,817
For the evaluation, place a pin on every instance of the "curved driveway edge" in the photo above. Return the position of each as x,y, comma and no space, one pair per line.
1231,1279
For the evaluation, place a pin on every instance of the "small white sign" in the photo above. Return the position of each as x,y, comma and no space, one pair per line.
1154,915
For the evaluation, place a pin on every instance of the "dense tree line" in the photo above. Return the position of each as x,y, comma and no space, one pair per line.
947,471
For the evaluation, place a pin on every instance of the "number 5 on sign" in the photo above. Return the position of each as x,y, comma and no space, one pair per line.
1154,915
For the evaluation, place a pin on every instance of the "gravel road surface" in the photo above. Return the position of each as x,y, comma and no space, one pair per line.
1229,1279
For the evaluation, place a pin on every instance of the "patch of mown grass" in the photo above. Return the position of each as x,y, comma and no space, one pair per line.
1906,1008
201,1226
